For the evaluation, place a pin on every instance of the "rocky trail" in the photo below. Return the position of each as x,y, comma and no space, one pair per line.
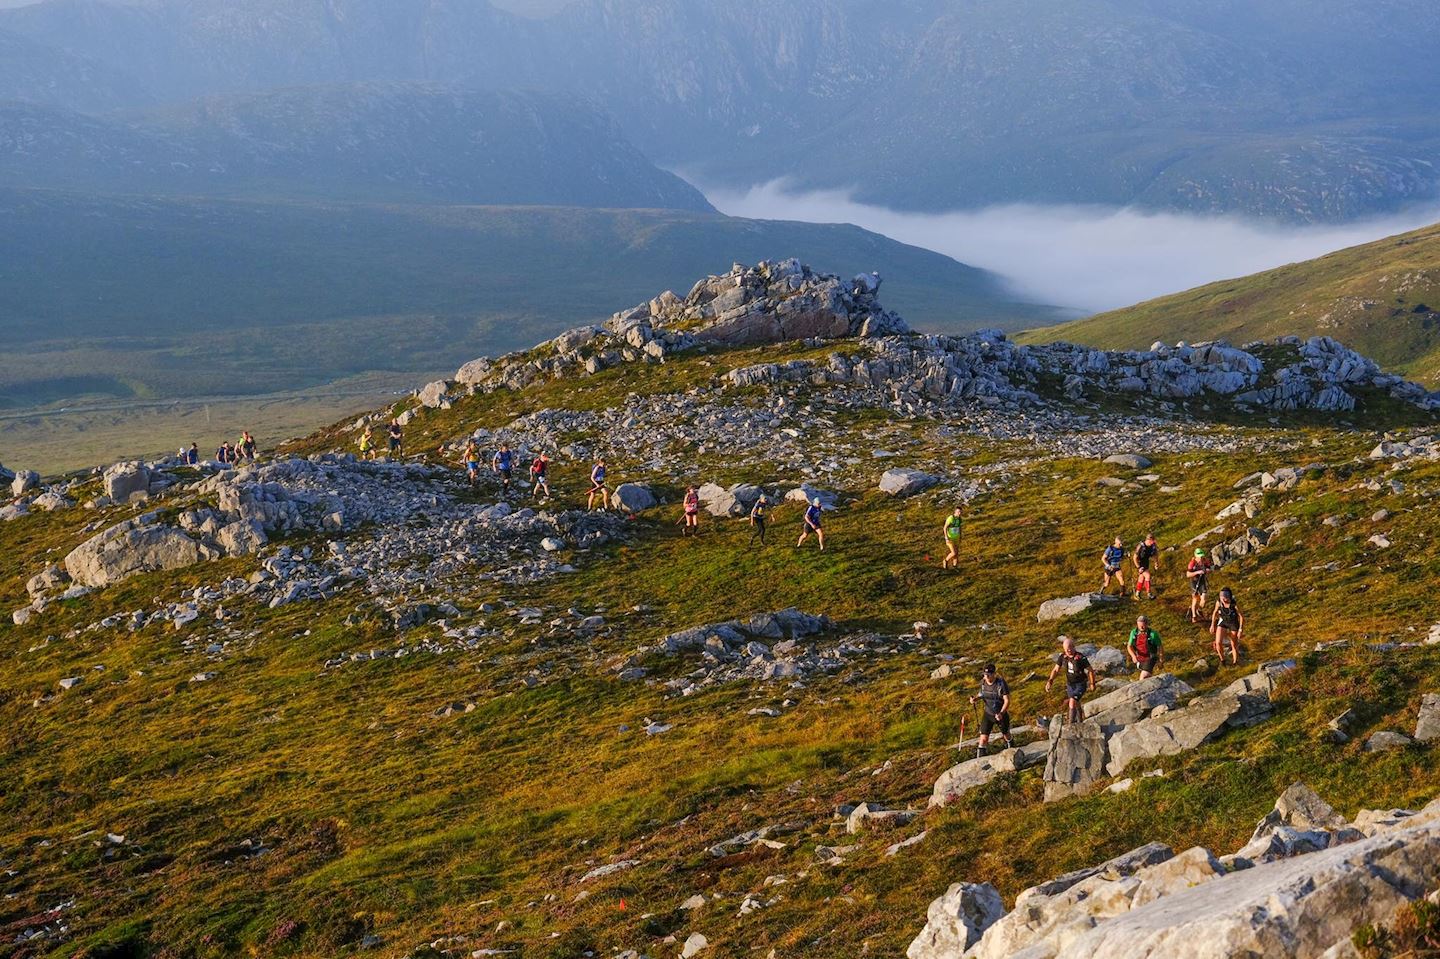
569,732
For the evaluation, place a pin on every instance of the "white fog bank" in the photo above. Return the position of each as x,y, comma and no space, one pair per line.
1090,258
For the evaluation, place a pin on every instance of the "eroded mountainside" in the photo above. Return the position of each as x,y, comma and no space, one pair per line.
320,704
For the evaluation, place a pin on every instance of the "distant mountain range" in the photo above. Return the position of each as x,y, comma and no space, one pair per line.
1381,298
397,142
1297,109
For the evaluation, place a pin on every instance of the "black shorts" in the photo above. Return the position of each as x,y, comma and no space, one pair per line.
394,445
1199,587
989,722
1111,570
1076,691
505,475
1148,665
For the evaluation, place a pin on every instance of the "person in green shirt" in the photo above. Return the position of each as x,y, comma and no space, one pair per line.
952,540
1144,647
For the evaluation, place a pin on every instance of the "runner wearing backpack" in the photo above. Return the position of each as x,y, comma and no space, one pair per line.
995,695
1198,572
692,512
812,524
1113,562
504,464
597,485
757,519
1146,556
540,475
1144,648
1079,678
1227,622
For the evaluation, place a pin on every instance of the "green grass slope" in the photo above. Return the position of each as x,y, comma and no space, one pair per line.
136,297
1382,299
380,819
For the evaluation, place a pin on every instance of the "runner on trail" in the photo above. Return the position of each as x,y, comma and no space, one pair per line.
247,445
225,455
1198,572
472,460
540,475
397,438
1113,562
1227,622
995,695
953,529
692,512
1079,678
192,455
757,519
367,444
1144,647
597,485
1145,557
504,464
812,523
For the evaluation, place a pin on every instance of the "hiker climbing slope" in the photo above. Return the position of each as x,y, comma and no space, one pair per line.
1198,572
1144,648
812,523
994,695
597,485
953,530
1146,555
504,463
1112,561
1079,678
758,514
692,512
540,475
1227,623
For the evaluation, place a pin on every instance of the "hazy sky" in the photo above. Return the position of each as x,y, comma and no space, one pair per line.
1093,258
531,7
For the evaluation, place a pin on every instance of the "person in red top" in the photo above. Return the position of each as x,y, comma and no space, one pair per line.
692,512
1198,572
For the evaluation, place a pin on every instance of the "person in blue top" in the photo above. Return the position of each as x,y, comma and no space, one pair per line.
812,524
504,464
1113,562
192,455
597,485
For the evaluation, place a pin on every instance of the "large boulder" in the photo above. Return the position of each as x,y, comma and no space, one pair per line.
1056,911
24,482
123,480
435,396
1053,609
139,545
1133,460
632,497
1134,701
735,501
1180,730
241,538
1427,728
903,482
957,920
963,777
1296,907
1076,760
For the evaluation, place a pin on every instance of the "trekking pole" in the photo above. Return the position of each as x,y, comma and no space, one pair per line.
963,717
977,726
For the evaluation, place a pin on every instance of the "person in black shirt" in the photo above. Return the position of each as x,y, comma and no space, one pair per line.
1079,678
995,695
1145,555
1227,622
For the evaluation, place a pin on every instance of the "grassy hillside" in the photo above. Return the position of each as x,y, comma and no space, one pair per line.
1382,299
157,298
380,819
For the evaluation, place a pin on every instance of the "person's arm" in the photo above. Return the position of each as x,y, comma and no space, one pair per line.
1135,558
1005,700
1130,649
1054,671
1091,671
1239,623
1159,651
1215,617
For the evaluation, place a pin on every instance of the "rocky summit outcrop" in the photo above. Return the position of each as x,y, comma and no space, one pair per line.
1300,902
771,302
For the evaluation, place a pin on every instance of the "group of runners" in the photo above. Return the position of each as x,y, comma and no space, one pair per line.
1144,649
227,454
394,441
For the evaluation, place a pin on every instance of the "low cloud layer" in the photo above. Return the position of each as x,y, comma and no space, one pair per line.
1087,258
